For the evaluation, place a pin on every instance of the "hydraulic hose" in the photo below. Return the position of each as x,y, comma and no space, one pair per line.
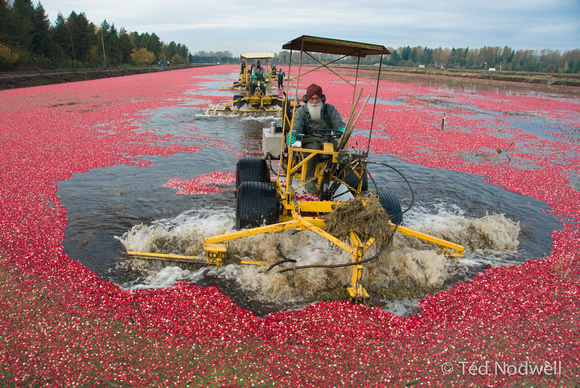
346,264
285,259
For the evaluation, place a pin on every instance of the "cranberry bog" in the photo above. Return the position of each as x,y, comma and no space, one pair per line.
68,323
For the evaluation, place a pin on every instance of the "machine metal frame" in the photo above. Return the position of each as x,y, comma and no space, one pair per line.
284,210
260,101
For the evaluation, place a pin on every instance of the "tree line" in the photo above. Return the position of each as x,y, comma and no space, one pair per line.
29,41
547,61
214,57
507,59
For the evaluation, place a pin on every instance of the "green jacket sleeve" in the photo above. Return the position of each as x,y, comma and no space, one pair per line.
335,118
299,122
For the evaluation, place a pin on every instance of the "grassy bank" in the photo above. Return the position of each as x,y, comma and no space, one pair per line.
555,82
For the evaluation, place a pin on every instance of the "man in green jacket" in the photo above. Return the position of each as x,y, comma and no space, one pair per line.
316,114
281,76
259,75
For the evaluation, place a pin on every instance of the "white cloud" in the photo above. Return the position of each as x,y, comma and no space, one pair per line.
241,26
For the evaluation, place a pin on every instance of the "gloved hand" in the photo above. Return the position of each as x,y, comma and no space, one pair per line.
254,76
342,130
291,139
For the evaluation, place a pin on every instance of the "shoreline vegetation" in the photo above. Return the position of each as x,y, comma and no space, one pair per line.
21,79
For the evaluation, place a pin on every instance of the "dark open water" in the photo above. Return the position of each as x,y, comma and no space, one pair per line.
106,203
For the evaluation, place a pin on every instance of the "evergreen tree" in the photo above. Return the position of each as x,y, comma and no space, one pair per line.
82,36
125,46
40,32
4,21
112,49
426,57
154,45
20,24
170,49
414,55
507,56
452,60
406,53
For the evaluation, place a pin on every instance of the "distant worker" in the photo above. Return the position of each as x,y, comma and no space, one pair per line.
315,115
160,64
259,75
281,76
147,62
167,63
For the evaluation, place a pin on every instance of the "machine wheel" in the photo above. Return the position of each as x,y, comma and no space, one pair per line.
278,101
392,206
238,104
251,170
257,203
352,180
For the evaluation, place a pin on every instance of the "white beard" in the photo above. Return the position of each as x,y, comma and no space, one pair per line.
315,110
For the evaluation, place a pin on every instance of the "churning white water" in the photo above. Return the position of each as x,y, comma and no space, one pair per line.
489,240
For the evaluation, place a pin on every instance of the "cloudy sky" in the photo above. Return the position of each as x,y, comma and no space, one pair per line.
250,26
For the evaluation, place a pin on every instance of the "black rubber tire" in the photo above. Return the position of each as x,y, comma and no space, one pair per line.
392,206
252,170
352,180
239,104
277,101
256,204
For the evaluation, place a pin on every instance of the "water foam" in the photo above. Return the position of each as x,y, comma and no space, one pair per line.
181,235
408,262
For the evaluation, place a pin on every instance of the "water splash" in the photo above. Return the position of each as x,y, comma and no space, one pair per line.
410,266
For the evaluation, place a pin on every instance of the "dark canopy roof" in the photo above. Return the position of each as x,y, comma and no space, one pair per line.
334,46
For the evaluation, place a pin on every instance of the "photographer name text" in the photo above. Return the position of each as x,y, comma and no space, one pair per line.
503,368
